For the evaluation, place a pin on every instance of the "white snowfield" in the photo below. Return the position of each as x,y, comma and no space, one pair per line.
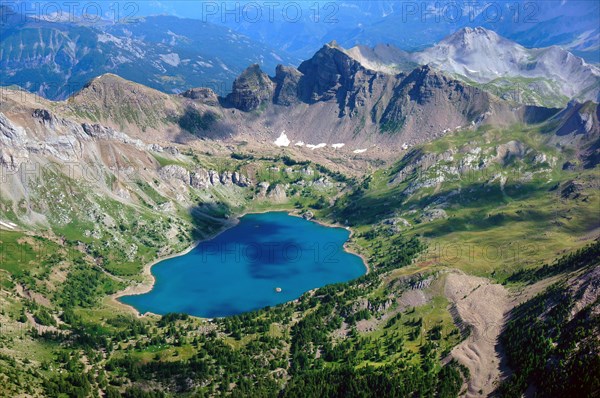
338,146
283,140
359,151
318,146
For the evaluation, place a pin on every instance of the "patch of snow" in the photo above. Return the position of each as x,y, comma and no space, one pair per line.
122,59
204,64
171,59
299,143
318,146
222,65
108,38
359,151
337,146
277,57
283,140
175,37
7,225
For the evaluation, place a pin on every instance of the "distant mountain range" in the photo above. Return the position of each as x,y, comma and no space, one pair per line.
363,96
412,26
55,59
544,76
334,100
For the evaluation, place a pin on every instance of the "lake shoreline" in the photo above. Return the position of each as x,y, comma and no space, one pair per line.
149,280
345,246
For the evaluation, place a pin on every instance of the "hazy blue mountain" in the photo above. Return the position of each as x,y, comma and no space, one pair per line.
301,28
410,26
56,59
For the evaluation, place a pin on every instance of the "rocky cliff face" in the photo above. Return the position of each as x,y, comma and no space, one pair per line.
201,178
287,82
333,75
414,107
203,95
579,126
251,89
428,98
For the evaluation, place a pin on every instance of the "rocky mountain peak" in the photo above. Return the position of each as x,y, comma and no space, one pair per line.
251,89
203,95
330,69
470,38
109,85
287,79
427,77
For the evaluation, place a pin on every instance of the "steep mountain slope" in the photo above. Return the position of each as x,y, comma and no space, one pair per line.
565,358
483,56
571,25
336,97
330,102
332,98
55,59
543,76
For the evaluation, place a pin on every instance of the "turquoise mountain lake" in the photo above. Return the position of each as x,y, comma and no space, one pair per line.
240,269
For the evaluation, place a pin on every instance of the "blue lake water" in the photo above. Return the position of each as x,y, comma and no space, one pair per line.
240,269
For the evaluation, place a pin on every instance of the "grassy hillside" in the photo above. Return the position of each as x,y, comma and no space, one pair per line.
488,202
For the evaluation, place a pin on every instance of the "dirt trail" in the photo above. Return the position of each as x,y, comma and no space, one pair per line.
483,306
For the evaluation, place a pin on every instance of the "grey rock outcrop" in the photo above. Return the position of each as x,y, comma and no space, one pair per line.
251,89
203,95
202,179
175,172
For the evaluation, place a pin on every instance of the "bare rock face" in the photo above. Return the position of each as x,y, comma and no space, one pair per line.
277,193
333,75
426,96
203,95
571,190
214,178
10,133
44,116
251,89
579,125
287,80
308,215
263,187
324,74
200,179
434,214
174,172
240,180
226,178
512,149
